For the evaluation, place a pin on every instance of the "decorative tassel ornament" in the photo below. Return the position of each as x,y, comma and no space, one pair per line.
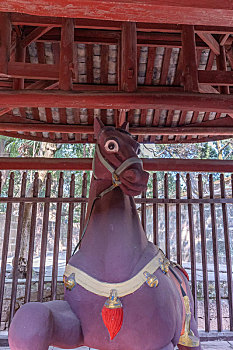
112,314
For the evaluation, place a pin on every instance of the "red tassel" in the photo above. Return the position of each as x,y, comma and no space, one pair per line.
113,319
184,271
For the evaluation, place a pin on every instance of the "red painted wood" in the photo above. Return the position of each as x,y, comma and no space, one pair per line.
150,65
178,222
162,164
33,71
210,41
32,240
5,42
155,211
217,77
165,66
204,255
192,244
57,239
34,35
129,57
66,54
222,66
190,77
175,11
140,100
216,255
70,219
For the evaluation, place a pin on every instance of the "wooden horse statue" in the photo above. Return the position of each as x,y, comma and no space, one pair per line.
121,292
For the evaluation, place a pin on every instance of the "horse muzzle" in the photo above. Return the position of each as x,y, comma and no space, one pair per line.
134,181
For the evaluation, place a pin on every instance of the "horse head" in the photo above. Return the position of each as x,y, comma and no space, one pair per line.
116,158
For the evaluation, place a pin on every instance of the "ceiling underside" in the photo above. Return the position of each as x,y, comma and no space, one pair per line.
105,57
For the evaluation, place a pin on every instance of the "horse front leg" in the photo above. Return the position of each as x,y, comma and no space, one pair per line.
38,325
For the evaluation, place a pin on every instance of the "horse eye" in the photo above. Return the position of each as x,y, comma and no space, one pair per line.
111,146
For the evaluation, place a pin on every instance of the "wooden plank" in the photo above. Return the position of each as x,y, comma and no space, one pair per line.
33,71
216,256
104,64
227,250
32,239
166,216
129,57
190,76
192,244
83,205
211,127
66,54
6,237
210,41
56,239
150,65
178,222
17,249
34,35
117,100
216,77
161,164
204,12
143,211
70,219
44,239
204,255
222,66
89,64
165,66
5,42
155,211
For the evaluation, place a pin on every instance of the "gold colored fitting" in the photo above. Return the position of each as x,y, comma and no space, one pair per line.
69,281
151,280
164,265
113,302
188,338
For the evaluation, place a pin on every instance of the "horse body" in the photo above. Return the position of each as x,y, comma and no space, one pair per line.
113,250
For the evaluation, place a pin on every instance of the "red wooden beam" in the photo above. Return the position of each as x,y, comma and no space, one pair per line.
210,41
33,71
160,164
216,77
34,35
221,126
66,54
222,66
117,100
206,12
190,76
5,41
129,74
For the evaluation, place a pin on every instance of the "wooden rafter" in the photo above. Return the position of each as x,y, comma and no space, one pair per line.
34,35
203,12
210,41
117,100
5,40
129,57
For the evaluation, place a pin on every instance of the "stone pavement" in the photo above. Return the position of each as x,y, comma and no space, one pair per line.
211,345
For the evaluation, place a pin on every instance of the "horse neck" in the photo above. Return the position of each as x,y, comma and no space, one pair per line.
114,236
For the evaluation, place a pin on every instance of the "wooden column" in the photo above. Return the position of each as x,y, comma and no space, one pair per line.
66,54
222,66
129,57
190,74
5,40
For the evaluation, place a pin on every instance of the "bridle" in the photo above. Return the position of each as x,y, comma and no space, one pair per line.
116,172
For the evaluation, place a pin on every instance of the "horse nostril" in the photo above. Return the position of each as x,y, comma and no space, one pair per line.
132,175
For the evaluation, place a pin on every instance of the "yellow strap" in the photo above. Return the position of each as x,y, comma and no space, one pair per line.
123,288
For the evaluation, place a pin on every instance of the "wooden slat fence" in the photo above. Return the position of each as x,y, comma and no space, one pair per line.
187,223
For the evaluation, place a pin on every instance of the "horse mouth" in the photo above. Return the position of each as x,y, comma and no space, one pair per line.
134,182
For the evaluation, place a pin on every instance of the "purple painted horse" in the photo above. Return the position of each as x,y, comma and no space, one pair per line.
116,270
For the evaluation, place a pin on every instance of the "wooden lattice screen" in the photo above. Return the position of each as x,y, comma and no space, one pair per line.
190,216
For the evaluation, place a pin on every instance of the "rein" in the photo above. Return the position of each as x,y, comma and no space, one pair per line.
115,182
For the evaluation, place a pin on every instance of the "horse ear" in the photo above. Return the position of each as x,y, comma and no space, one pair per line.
98,125
125,126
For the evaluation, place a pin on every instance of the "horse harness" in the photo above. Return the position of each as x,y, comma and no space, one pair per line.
112,312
